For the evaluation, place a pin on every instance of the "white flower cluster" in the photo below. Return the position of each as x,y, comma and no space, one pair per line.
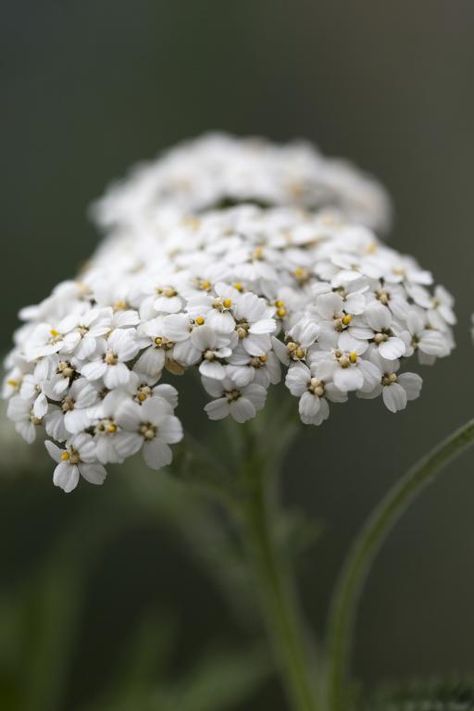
239,295
218,170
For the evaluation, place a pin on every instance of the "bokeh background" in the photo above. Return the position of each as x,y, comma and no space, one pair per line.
102,591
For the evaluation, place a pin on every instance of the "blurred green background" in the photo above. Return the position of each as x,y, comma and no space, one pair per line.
99,578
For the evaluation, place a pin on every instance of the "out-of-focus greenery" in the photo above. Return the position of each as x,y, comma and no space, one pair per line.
44,604
42,611
450,695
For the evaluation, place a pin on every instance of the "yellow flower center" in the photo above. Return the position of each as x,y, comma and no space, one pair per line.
167,291
204,284
301,274
120,305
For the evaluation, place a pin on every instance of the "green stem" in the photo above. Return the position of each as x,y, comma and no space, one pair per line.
365,547
274,580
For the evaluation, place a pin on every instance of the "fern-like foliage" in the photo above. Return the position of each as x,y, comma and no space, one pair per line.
450,695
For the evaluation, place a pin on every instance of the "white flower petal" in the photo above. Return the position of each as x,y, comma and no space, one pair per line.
171,430
411,383
116,375
309,405
348,379
93,473
297,379
53,450
242,409
129,415
217,409
157,454
212,369
392,349
66,476
394,397
94,370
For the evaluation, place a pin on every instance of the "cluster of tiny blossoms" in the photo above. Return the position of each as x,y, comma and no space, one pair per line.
219,170
245,296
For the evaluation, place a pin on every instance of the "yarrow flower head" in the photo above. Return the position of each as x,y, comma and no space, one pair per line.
244,296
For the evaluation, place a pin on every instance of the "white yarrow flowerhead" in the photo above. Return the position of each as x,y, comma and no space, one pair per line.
296,288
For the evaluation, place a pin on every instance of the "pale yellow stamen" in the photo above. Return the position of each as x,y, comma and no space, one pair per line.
301,274
281,308
143,393
295,350
167,291
162,342
204,285
389,378
191,221
383,297
65,369
316,387
120,305
147,431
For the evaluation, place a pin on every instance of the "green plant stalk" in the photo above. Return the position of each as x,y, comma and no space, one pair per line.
258,514
364,549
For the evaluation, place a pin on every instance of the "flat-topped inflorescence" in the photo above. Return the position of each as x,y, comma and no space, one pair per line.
218,170
245,296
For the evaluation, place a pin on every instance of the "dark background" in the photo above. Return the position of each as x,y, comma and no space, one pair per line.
90,87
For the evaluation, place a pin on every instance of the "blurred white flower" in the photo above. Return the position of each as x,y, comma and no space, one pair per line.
217,169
